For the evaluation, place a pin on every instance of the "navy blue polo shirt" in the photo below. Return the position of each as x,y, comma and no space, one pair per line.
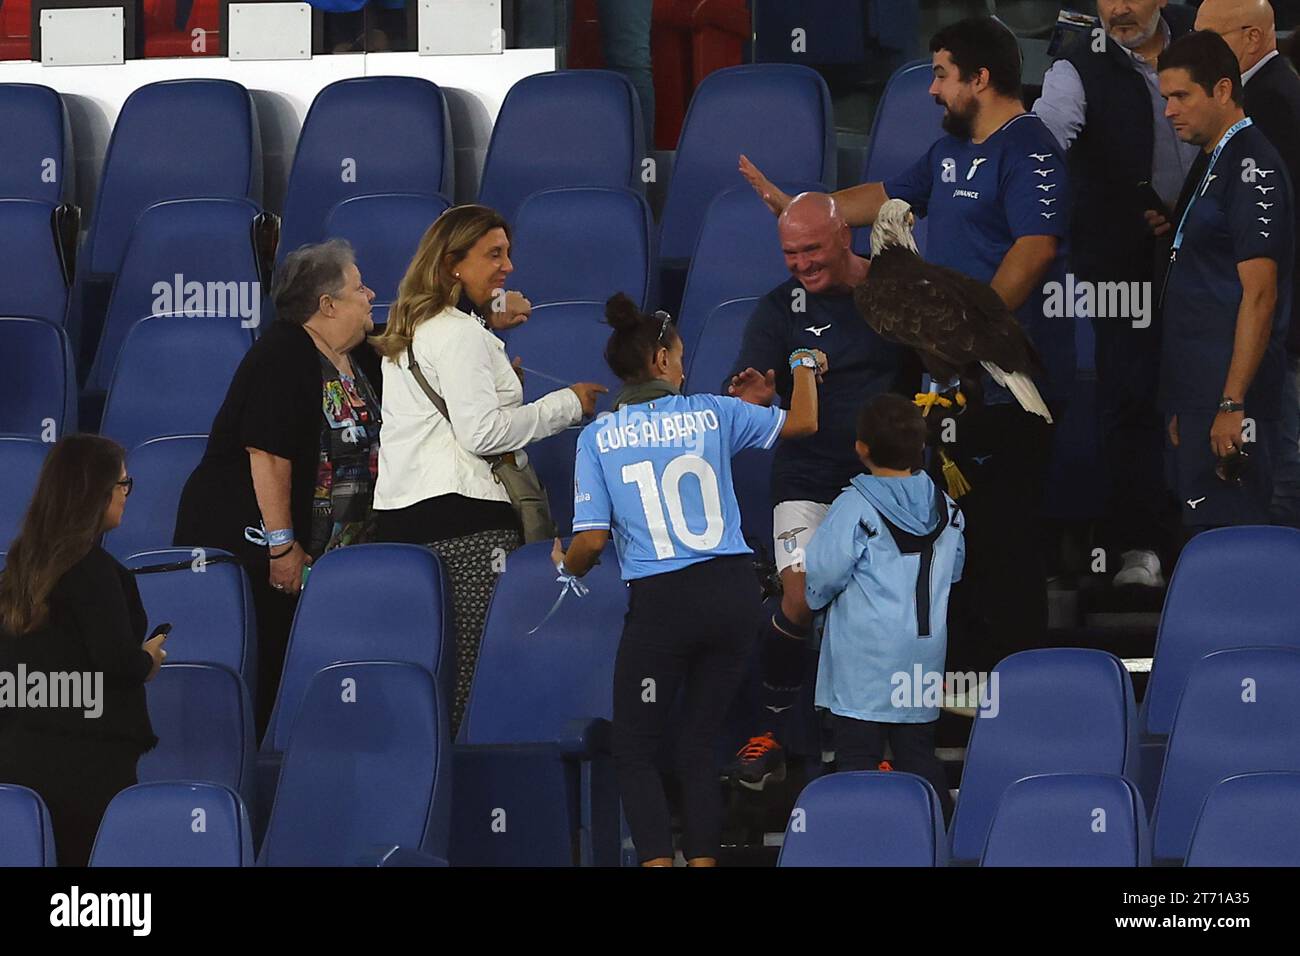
979,199
1244,212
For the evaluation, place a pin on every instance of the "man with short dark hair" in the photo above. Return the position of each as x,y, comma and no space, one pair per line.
1227,296
996,193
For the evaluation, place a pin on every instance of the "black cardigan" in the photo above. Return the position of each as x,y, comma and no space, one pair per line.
97,624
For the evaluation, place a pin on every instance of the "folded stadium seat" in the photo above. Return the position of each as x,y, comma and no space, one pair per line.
184,257
203,717
582,244
25,822
738,254
1249,820
171,376
777,114
406,616
553,458
385,231
533,776
1053,710
1069,819
174,823
906,125
833,32
566,128
20,463
36,151
366,769
866,818
32,281
1236,715
175,139
363,135
160,467
40,378
1231,586
562,343
204,593
708,364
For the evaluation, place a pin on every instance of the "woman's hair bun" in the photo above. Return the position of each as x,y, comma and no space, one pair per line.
621,312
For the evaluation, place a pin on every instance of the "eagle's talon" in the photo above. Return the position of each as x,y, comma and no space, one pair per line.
927,400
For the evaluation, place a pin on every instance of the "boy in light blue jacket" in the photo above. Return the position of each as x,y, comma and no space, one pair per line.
880,567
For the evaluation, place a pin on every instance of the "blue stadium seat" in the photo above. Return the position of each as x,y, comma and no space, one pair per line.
406,616
1069,819
211,609
554,458
1249,820
160,467
533,753
366,769
209,244
738,255
779,115
36,150
566,128
171,376
717,346
40,378
563,343
32,281
1053,710
25,822
906,125
175,139
1237,714
1231,587
174,823
582,244
20,463
204,721
867,818
368,134
384,230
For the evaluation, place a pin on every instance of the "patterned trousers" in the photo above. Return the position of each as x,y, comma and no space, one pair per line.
473,563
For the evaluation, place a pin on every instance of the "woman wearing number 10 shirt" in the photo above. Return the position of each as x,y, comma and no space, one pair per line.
656,474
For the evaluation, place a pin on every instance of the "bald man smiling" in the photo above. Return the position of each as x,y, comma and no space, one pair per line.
1272,91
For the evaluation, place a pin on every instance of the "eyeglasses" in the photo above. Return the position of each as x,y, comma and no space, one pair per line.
128,483
663,326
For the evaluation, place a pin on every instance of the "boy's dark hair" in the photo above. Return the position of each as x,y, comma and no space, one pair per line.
894,430
978,43
1207,58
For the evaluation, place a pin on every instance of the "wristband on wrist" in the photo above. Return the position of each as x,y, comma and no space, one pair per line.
276,539
802,358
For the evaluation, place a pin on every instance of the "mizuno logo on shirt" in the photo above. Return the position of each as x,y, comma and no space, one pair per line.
1039,157
1045,186
1266,189
1265,221
817,331
1193,502
974,165
1047,202
1263,172
1047,215
1264,205
1045,172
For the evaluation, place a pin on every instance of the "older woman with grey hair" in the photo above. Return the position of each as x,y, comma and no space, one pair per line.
292,457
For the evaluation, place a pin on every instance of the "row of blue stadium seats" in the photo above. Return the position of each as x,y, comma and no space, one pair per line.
1058,710
558,129
1044,820
365,782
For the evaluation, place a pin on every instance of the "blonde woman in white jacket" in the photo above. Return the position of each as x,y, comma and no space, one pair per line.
434,486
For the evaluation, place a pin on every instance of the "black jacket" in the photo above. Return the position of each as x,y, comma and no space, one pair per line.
97,624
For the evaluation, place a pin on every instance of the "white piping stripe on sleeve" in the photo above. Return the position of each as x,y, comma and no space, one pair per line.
591,526
772,436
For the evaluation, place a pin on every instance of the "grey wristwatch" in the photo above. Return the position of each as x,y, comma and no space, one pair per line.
1228,405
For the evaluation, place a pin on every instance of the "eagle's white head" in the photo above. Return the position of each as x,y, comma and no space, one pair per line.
893,227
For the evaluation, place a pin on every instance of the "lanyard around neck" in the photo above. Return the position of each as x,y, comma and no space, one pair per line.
1233,130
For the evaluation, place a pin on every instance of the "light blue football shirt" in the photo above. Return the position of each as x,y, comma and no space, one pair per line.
658,476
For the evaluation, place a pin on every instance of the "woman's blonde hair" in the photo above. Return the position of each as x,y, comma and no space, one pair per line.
429,285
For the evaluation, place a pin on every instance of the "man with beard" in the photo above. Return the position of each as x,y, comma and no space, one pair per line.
996,191
1103,103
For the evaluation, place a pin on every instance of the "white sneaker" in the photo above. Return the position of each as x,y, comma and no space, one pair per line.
1141,568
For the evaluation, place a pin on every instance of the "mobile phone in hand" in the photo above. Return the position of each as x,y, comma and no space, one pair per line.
162,630
1150,199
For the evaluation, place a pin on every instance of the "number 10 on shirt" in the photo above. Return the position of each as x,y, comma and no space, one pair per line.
642,474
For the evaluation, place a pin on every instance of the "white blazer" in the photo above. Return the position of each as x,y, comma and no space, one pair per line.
420,455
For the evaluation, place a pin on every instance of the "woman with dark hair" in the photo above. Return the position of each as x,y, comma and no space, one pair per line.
438,484
290,466
658,472
68,608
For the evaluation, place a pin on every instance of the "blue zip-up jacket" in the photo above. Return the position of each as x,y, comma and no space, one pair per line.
881,566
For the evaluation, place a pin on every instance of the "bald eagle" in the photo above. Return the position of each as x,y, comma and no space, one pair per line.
952,321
